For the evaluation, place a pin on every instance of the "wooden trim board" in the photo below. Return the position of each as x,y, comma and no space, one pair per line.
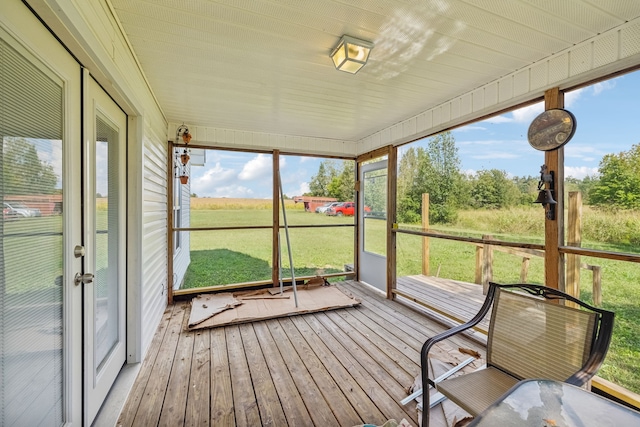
310,300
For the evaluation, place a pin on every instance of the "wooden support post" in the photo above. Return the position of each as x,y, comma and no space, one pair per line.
275,235
487,264
392,178
554,228
574,238
524,270
479,261
425,240
358,231
597,285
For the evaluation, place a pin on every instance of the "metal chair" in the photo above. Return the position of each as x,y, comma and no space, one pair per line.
532,334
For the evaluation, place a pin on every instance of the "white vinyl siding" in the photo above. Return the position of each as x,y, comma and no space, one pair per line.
182,254
154,235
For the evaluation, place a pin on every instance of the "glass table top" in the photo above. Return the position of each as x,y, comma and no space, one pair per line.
545,403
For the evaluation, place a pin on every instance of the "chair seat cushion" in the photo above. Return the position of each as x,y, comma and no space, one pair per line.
476,391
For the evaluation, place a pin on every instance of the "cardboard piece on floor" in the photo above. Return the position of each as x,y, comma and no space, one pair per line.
311,299
206,306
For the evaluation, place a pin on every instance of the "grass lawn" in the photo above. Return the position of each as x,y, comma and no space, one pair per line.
223,257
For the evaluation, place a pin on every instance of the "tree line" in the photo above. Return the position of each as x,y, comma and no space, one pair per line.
435,169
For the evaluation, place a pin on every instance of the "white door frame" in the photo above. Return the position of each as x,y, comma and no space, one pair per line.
372,268
98,379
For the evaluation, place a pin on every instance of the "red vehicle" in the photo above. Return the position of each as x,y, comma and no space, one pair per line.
344,208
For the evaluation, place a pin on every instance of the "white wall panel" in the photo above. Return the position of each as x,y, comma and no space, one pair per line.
182,257
605,49
538,75
454,109
154,232
559,67
521,82
581,59
409,127
505,89
491,94
630,37
229,138
466,105
437,116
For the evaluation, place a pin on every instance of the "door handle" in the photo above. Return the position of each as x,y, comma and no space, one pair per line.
83,278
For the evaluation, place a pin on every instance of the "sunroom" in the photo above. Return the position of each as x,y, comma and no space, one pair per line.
175,148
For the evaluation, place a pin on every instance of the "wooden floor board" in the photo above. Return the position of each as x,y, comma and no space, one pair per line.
269,405
175,401
460,300
364,346
156,388
384,342
244,398
391,337
290,398
316,404
221,408
338,402
383,390
347,382
197,412
337,368
132,404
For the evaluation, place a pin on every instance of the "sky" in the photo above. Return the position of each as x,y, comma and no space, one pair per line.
607,122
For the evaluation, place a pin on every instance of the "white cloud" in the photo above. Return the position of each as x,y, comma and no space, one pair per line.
469,128
496,155
521,115
256,168
527,114
213,179
486,142
583,152
570,98
580,172
303,188
602,86
498,119
234,191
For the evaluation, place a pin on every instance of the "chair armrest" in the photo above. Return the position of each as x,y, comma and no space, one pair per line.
424,354
593,363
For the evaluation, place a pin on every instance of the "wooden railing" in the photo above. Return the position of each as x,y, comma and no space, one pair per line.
484,266
484,252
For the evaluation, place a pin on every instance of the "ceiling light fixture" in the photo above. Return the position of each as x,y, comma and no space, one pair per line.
351,54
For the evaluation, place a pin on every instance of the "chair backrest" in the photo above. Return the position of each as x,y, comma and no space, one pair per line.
537,337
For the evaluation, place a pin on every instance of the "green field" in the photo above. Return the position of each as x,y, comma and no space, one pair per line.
223,257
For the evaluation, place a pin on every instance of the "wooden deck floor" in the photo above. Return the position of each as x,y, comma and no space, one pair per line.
453,301
337,368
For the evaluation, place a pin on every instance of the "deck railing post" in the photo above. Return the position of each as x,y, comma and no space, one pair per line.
425,240
574,238
487,264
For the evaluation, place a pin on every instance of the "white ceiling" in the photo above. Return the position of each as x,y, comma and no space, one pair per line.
264,66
